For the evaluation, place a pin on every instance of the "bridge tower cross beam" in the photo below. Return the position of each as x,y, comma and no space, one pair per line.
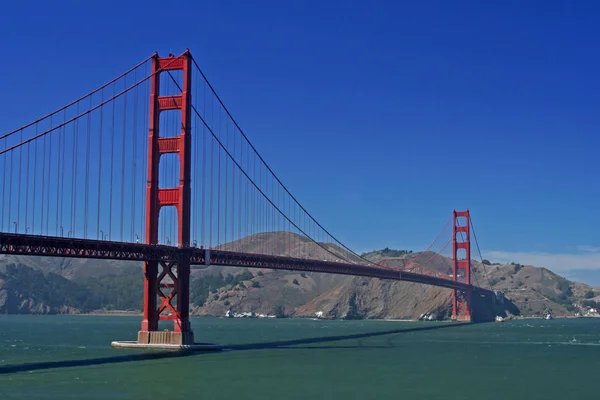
461,243
159,305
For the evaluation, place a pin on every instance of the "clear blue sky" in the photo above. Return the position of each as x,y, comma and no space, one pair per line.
394,113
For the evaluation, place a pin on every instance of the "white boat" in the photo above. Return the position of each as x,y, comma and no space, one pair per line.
548,315
499,318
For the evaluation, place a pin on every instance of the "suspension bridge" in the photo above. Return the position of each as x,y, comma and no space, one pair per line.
153,167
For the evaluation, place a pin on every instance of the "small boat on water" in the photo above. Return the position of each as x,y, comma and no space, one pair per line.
548,315
499,318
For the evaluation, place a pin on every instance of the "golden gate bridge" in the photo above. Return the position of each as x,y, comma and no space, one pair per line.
152,167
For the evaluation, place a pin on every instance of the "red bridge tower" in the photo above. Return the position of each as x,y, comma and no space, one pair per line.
166,292
461,240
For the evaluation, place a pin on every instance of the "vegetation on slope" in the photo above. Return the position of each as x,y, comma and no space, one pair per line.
50,292
387,252
50,289
202,287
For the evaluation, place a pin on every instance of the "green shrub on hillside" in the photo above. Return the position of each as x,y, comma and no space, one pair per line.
114,292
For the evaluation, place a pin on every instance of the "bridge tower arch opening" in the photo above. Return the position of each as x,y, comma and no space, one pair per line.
461,265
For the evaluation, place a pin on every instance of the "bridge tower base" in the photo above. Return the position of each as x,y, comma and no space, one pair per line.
461,242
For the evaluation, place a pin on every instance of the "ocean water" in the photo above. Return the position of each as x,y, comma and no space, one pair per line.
64,357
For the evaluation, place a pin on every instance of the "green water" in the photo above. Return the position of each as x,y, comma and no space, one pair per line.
62,357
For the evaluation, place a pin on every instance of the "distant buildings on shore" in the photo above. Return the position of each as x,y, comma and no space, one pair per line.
248,314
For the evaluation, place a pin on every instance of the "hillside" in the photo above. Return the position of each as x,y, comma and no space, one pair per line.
48,285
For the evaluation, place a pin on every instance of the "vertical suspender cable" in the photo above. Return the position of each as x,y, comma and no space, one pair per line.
43,183
233,187
112,164
58,174
219,189
62,177
241,195
265,202
49,180
267,211
261,200
146,127
134,157
123,145
10,190
276,214
27,183
203,214
233,191
271,210
234,208
4,157
196,181
260,203
87,173
226,181
212,151
100,164
20,179
74,174
254,205
246,197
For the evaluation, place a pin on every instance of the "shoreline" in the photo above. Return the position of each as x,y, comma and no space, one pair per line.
112,314
123,313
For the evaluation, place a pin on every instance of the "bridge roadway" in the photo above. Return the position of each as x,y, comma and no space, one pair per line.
49,246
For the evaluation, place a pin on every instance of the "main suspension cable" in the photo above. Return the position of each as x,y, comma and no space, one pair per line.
479,251
271,171
76,101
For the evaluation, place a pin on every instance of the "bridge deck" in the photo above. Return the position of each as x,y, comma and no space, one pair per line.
32,245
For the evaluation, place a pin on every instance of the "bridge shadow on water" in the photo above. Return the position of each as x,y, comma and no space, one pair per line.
158,355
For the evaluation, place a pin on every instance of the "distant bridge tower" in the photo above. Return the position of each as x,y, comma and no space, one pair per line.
461,264
166,293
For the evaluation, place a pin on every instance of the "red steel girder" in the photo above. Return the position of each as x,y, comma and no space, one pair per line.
32,245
